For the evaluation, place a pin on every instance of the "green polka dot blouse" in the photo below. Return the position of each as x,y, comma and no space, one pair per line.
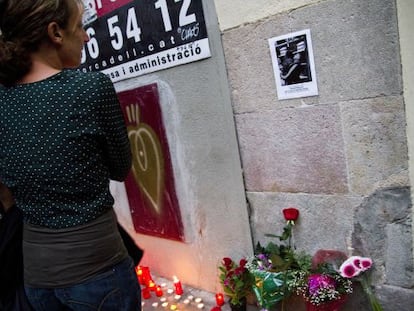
61,140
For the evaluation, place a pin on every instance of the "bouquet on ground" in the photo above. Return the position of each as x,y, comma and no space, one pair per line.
322,287
275,265
235,280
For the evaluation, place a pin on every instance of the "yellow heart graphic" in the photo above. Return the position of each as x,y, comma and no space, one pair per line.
147,159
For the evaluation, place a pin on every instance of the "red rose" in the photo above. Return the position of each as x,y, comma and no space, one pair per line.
243,262
239,271
291,213
227,262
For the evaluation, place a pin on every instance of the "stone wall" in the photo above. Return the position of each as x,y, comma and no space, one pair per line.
198,118
340,157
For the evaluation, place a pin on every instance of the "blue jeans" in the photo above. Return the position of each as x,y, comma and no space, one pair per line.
116,289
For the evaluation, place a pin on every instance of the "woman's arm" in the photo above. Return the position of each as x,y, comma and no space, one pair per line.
116,143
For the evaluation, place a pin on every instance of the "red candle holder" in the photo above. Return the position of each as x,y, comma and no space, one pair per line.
220,299
158,291
177,286
146,275
139,273
151,285
146,293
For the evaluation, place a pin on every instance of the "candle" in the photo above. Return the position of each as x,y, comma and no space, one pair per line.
151,285
177,285
173,307
220,299
186,301
155,304
146,293
170,291
164,304
197,300
146,275
163,299
138,271
200,305
177,297
158,291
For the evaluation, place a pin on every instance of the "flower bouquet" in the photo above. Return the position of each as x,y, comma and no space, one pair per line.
354,269
323,290
236,281
273,266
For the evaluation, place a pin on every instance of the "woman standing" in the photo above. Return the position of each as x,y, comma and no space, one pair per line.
62,138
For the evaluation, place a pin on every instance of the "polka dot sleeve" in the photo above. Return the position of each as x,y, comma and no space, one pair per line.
117,152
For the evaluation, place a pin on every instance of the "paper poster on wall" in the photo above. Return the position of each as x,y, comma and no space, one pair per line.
293,65
129,38
150,185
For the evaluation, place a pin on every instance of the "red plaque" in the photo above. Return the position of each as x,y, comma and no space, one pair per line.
150,185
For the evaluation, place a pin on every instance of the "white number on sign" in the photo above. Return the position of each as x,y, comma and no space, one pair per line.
184,19
92,45
115,31
132,28
162,4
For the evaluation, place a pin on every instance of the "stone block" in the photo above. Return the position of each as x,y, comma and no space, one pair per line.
249,65
325,222
377,222
399,267
375,141
355,45
293,150
396,298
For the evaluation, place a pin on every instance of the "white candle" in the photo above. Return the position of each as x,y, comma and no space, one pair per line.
198,300
200,305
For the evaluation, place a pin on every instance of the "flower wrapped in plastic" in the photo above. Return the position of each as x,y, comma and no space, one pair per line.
322,287
273,266
270,287
325,290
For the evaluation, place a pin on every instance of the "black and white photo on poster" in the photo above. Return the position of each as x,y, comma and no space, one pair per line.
129,38
293,65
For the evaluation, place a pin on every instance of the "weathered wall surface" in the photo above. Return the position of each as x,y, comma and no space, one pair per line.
251,11
341,157
405,24
198,118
